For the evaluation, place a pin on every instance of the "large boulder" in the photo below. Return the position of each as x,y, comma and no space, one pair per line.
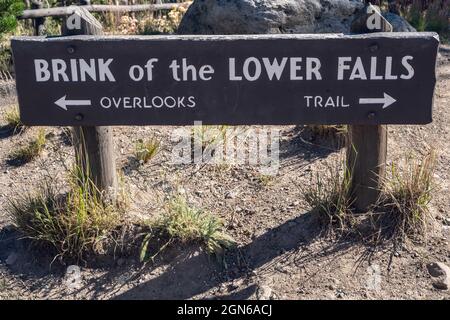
398,23
269,16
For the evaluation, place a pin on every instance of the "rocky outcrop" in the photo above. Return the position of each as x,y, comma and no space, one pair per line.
269,16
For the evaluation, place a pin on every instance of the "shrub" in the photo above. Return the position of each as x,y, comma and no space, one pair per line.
9,10
436,16
167,23
415,15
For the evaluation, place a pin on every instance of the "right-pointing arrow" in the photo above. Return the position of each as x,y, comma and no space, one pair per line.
387,100
64,103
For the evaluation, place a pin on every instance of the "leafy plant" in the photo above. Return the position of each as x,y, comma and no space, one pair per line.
9,10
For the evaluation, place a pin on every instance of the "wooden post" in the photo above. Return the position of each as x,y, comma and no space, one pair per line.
94,149
367,148
39,22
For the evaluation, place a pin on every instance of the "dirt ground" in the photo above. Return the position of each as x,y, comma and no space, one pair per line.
282,253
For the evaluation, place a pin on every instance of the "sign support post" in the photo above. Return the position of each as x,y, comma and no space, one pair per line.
367,145
94,149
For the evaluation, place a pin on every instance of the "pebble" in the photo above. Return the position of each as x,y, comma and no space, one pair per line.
440,274
446,221
263,292
230,195
340,294
72,278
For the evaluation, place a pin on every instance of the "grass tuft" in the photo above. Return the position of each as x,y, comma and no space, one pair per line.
404,203
32,150
75,223
209,136
329,195
186,224
12,118
147,150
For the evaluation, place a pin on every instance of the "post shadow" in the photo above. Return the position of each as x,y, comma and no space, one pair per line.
194,273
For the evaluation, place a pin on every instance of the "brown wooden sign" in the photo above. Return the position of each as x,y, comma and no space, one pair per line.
383,78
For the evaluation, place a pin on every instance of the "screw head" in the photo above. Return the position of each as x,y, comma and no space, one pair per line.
71,49
79,117
371,115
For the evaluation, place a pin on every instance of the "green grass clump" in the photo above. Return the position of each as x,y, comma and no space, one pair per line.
187,224
209,136
146,150
406,196
12,118
32,150
75,223
9,10
330,196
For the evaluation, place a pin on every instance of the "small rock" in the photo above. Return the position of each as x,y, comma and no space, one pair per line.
12,258
72,278
230,195
340,294
446,221
120,262
263,292
199,193
50,135
441,275
250,211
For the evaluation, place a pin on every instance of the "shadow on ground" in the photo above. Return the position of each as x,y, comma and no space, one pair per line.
183,272
304,144
193,272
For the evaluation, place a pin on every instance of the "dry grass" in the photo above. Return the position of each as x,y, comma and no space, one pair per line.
329,196
209,136
157,23
403,208
147,150
32,150
75,223
186,224
12,118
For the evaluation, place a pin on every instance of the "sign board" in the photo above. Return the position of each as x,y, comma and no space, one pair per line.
383,78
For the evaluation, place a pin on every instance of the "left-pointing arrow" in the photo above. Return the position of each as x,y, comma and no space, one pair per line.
64,103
